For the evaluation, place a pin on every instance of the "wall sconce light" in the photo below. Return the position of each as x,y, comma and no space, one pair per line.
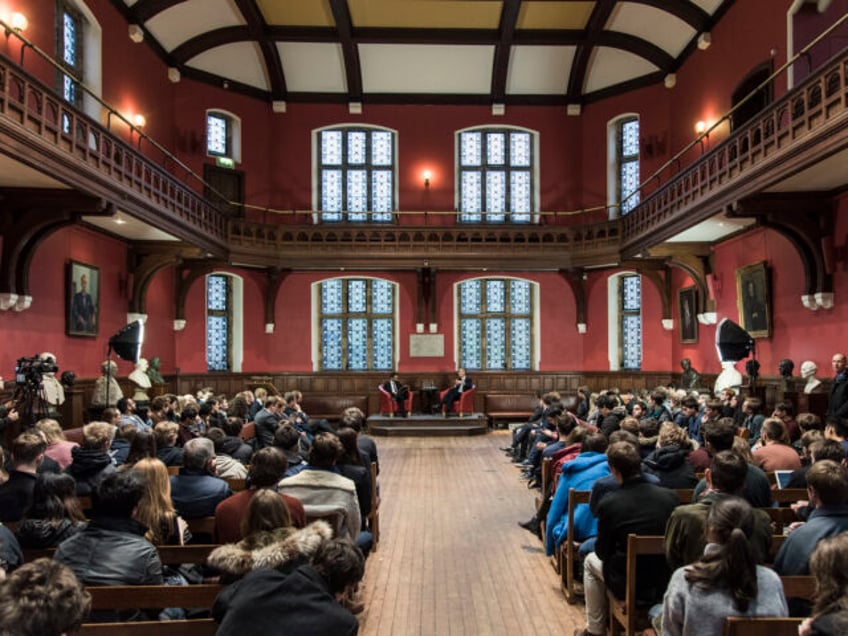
427,175
701,127
19,22
139,121
704,41
136,33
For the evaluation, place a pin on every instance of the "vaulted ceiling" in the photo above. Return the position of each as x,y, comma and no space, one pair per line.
425,51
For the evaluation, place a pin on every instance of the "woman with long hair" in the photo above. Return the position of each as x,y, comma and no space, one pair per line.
270,540
54,514
353,465
142,446
726,581
156,510
829,564
58,447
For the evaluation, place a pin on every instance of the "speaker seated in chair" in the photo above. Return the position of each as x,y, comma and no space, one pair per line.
389,406
464,405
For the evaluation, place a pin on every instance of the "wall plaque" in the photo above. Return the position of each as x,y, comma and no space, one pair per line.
427,345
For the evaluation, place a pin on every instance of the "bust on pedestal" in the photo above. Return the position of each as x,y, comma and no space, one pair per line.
141,382
100,397
808,372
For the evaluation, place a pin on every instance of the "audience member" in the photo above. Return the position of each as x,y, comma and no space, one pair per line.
42,598
226,467
305,601
355,419
266,469
11,555
290,442
726,581
58,447
196,491
54,514
753,422
353,465
837,429
126,407
167,450
91,462
143,446
191,426
16,494
155,509
668,461
785,412
234,445
111,549
119,449
267,420
775,452
816,448
829,565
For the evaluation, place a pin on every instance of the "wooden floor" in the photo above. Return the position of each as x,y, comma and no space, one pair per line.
452,559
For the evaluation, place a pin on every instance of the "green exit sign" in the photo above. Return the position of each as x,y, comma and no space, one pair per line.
225,162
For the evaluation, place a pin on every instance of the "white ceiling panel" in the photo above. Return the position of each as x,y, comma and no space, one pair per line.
539,70
128,227
610,66
241,61
658,27
712,230
313,67
14,174
709,6
188,19
413,68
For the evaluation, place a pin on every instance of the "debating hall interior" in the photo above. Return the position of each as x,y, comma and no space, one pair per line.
595,235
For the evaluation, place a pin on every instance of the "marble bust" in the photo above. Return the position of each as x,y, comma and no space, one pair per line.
141,382
808,372
107,384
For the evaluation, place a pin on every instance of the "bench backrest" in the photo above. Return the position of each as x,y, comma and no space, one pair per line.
194,627
128,597
739,626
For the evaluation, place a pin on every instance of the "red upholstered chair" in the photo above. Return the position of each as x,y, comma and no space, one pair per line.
465,403
388,406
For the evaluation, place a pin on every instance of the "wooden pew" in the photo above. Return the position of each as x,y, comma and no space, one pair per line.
799,586
374,515
168,554
624,613
130,597
568,548
684,495
237,485
202,526
789,495
194,627
739,626
547,476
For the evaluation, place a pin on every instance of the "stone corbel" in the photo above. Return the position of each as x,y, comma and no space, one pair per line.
576,279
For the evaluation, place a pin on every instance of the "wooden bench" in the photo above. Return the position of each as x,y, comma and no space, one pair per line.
740,626
194,627
374,515
509,406
130,597
568,548
799,586
789,495
168,554
329,406
624,613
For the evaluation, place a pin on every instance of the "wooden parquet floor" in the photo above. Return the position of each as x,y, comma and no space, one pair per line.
452,559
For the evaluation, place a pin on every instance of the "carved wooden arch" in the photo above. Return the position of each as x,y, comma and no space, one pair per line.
806,220
145,264
28,217
658,273
274,281
575,280
184,282
695,267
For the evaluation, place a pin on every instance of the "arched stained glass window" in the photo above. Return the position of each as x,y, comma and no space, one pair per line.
631,321
219,322
627,159
357,324
496,323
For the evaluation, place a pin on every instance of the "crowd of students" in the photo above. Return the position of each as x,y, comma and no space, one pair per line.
303,513
634,450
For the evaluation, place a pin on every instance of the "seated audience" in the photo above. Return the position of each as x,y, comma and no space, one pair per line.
253,605
126,407
816,448
143,446
785,412
753,418
649,431
290,443
352,464
42,598
684,534
54,514
11,555
827,487
167,450
111,549
156,510
196,491
669,460
807,422
726,581
191,426
267,420
270,540
267,468
829,564
226,467
657,410
91,462
16,494
120,447
837,429
234,446
637,507
775,452
58,447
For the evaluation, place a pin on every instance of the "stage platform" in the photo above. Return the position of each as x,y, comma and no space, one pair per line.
421,425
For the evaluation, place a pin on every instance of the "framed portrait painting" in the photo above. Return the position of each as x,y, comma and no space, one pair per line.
83,299
754,299
687,302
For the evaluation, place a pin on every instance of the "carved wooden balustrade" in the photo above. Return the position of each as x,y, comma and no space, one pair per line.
39,128
793,133
524,247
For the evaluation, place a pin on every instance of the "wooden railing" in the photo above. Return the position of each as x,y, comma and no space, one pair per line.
719,177
86,155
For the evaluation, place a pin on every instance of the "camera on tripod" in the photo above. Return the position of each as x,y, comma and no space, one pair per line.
29,371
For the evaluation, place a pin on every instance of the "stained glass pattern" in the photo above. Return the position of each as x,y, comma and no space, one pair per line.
217,343
69,90
495,343
631,322
630,138
331,344
382,297
216,293
472,341
361,337
495,295
628,165
352,187
382,339
357,299
69,39
629,186
521,344
632,293
216,135
496,324
505,160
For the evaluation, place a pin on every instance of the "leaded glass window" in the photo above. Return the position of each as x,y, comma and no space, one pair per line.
496,175
218,135
69,53
495,324
219,322
631,321
357,324
356,168
628,163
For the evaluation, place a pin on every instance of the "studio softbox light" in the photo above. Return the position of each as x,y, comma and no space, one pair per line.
733,343
127,342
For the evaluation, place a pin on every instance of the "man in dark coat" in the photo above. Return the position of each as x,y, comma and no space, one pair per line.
270,601
837,407
399,392
16,494
267,420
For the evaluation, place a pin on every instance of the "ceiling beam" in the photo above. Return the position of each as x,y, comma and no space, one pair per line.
594,28
500,62
344,27
273,66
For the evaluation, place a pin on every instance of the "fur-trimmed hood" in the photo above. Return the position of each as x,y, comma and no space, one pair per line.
237,559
